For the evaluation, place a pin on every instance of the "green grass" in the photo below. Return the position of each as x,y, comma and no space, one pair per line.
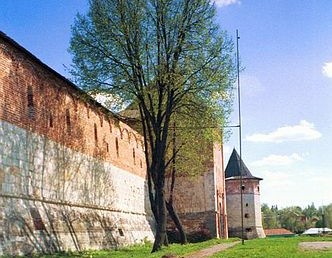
144,251
260,248
276,247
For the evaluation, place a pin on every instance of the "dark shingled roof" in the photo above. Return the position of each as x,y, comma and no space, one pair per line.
233,168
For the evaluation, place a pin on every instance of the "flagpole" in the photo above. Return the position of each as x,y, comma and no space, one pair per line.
240,131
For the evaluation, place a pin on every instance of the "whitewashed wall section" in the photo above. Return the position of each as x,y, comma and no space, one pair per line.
36,170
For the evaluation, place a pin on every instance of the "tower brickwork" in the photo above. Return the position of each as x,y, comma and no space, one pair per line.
200,200
252,218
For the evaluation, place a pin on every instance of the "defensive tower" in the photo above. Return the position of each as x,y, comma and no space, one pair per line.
252,218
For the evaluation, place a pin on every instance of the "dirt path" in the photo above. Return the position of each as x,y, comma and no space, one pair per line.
211,250
316,245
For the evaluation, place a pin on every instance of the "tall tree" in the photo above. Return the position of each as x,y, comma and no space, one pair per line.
161,55
270,217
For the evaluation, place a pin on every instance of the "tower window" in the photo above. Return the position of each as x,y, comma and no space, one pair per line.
248,229
31,107
50,120
246,215
109,122
88,111
96,134
117,146
68,123
134,156
121,232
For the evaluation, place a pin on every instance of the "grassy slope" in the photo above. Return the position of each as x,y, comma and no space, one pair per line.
144,251
276,247
259,248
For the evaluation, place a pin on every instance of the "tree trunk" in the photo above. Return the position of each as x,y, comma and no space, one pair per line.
169,205
174,216
161,222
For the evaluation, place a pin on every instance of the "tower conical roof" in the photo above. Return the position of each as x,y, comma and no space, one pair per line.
235,164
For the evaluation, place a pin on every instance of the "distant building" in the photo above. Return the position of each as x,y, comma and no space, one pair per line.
278,232
252,218
317,231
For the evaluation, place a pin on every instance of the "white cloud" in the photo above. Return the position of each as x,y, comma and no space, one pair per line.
289,188
327,69
277,160
304,131
221,3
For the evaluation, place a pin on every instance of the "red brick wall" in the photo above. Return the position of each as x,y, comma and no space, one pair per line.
36,98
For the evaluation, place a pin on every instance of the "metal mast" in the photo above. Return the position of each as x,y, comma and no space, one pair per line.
240,131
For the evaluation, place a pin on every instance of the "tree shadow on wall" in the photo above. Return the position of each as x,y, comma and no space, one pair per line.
40,218
29,231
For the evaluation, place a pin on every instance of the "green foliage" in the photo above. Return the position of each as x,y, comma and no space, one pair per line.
295,218
135,49
270,217
168,58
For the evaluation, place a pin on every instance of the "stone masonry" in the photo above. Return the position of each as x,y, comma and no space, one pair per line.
72,175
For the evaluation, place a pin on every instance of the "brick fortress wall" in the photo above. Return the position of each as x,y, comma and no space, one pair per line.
72,175
199,200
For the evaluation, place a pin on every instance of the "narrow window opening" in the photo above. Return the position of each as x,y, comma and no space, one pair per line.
140,163
117,146
50,120
247,204
96,134
134,156
258,188
31,107
121,232
68,123
110,126
101,121
88,111
246,215
107,147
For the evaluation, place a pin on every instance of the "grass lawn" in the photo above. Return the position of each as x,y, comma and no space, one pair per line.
260,248
144,251
276,247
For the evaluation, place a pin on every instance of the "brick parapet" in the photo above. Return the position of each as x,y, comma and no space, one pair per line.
61,112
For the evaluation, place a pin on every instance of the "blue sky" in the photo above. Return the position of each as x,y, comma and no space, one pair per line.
286,87
286,49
